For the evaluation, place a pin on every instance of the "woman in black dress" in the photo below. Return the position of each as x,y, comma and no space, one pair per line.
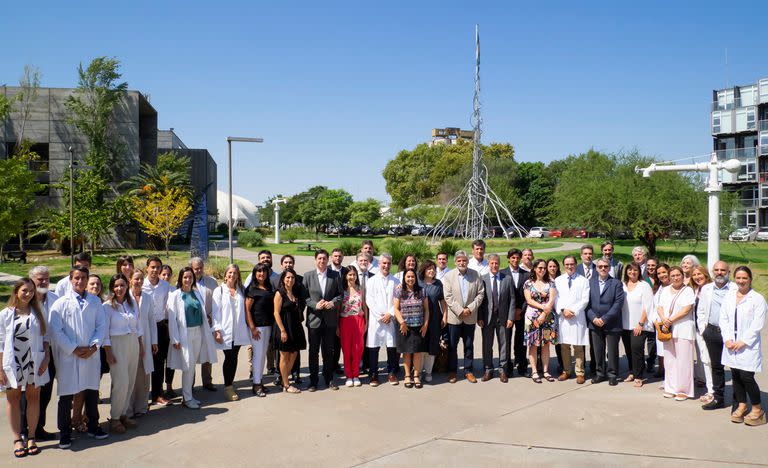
288,320
259,308
433,289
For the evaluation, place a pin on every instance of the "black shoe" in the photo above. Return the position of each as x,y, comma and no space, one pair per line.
339,371
65,442
98,434
42,434
170,394
613,381
312,388
713,405
298,380
272,370
333,386
210,387
597,380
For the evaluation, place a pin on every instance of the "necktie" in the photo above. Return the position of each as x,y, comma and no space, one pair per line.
570,281
588,271
495,293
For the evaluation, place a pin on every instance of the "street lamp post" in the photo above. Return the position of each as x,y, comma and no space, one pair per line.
277,202
71,207
230,139
713,189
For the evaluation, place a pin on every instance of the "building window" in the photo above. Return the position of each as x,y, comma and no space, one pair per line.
751,118
715,122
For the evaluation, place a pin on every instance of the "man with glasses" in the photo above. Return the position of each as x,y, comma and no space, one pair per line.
572,300
606,299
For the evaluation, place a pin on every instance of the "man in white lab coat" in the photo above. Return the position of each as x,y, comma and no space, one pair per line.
379,297
572,299
78,328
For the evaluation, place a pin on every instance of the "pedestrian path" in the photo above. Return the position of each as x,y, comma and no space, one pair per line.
6,278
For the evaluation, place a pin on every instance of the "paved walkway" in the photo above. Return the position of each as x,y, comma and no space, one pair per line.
5,278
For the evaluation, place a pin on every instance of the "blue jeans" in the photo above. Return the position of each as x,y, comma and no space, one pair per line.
466,333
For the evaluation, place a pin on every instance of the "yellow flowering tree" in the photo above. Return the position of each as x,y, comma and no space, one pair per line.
161,213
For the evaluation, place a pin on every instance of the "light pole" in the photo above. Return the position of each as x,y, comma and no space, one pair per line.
714,187
71,207
277,202
230,139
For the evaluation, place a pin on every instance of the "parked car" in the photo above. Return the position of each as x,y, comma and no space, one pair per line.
421,230
762,234
538,232
743,235
496,231
556,233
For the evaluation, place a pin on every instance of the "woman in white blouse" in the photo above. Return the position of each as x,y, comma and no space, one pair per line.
138,406
675,312
742,317
230,330
638,305
662,275
123,347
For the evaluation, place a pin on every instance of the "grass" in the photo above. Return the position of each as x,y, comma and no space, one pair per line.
104,265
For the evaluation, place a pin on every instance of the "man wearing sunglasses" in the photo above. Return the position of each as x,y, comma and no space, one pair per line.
606,298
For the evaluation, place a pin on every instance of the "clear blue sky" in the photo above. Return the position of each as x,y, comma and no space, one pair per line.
336,89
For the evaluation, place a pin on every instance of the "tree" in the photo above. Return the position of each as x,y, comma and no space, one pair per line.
328,208
161,214
601,192
171,171
17,197
364,213
30,85
417,176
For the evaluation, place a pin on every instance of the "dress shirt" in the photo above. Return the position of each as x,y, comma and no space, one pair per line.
440,273
464,285
122,319
481,267
601,282
321,277
718,294
159,294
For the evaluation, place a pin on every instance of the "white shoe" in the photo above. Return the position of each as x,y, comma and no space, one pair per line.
191,404
349,383
357,382
428,378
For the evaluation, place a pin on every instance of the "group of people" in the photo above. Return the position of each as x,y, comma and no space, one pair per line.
141,329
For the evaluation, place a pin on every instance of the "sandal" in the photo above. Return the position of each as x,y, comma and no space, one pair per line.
32,448
417,382
258,390
19,452
630,378
291,389
638,383
548,377
408,383
536,378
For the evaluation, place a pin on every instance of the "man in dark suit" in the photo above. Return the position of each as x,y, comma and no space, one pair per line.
325,291
606,299
517,278
496,317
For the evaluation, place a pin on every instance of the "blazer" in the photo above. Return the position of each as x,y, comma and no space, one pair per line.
506,306
580,269
517,287
333,293
607,305
705,304
452,293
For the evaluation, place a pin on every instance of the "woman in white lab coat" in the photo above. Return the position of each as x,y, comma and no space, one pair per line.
191,338
742,317
230,329
138,406
24,354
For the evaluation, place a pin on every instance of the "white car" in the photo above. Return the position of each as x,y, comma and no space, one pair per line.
538,232
743,235
762,234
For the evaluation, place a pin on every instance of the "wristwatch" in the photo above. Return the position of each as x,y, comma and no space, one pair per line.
641,323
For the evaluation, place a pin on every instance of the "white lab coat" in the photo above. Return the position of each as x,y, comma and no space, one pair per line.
72,327
149,329
379,297
231,323
50,298
744,325
573,330
639,299
159,294
35,346
177,329
705,303
63,287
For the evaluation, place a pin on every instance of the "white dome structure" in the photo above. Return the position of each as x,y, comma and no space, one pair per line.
244,213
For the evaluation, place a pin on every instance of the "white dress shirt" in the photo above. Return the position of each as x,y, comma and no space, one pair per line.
122,319
480,267
159,294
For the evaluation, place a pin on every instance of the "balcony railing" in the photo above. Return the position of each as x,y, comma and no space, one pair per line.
725,106
739,153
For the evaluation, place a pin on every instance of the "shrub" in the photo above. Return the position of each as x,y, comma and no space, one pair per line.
398,248
449,246
216,267
349,247
420,249
250,239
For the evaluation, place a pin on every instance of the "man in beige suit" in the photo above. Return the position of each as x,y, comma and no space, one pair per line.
464,291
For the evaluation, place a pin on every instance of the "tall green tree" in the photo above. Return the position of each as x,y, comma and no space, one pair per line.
171,171
364,213
328,208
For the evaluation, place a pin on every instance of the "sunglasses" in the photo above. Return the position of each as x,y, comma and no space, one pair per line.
602,266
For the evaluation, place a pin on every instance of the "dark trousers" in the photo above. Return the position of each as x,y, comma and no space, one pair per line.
465,333
626,340
91,411
518,335
337,352
499,332
637,344
650,359
393,361
229,367
744,384
161,372
321,338
365,362
605,342
714,341
592,364
45,398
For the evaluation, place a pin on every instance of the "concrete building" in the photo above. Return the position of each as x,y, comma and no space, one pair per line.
450,136
203,169
739,123
135,121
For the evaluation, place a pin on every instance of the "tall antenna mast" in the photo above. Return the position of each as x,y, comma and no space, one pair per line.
469,215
